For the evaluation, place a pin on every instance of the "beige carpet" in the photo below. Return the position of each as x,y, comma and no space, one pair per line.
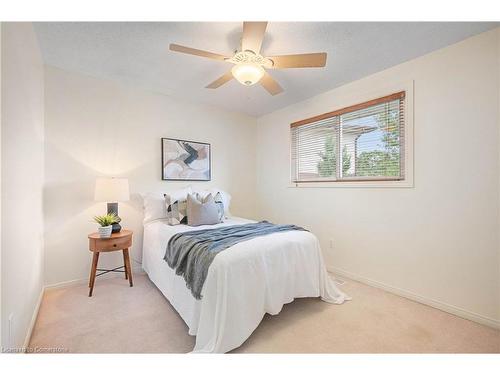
120,319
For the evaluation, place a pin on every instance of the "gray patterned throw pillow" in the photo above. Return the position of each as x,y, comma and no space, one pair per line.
176,209
220,205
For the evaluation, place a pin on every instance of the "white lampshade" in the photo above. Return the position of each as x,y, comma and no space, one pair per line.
111,189
247,73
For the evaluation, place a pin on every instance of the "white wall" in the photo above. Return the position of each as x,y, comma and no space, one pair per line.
98,128
22,180
0,183
498,228
438,240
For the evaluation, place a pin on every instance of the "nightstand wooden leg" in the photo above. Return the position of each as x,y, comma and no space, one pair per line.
125,265
93,271
128,269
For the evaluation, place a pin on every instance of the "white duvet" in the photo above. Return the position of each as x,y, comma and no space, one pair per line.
244,282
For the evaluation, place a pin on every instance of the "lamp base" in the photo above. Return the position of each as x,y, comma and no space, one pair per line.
113,208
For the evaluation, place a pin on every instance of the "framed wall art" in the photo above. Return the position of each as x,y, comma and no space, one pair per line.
183,160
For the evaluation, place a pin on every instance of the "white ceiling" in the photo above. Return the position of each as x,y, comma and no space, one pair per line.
137,53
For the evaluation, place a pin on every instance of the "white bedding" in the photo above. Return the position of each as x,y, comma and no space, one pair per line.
244,282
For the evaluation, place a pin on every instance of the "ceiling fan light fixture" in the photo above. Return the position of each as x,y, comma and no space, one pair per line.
250,64
248,73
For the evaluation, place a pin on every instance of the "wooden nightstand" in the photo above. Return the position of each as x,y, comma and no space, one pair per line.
118,241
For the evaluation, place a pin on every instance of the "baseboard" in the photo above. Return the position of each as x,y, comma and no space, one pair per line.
135,271
27,339
421,299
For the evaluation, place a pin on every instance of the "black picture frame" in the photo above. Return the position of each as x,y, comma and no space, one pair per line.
165,178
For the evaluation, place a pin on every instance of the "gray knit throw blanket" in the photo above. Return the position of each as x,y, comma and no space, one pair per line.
191,253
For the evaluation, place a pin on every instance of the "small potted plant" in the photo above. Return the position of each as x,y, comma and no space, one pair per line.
106,224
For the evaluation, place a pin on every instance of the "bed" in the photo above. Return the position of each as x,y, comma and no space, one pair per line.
244,282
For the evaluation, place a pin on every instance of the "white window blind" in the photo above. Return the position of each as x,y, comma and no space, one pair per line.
364,142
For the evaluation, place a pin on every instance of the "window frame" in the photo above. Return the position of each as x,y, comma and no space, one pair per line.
354,102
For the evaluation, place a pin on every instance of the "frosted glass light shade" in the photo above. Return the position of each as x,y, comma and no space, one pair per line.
247,73
111,189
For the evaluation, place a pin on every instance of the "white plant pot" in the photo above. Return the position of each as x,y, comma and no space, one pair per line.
105,232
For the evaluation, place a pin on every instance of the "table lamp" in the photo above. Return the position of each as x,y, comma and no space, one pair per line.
112,191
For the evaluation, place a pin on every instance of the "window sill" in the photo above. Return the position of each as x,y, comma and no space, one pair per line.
354,184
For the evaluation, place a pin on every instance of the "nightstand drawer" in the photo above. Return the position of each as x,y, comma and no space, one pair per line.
110,244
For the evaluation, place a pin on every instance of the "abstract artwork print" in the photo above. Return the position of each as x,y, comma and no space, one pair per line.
185,160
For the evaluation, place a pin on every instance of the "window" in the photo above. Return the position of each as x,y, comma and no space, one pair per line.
363,142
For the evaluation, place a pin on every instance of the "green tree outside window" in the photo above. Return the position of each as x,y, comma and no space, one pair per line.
327,166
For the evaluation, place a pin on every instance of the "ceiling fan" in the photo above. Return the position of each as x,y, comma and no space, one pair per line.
249,65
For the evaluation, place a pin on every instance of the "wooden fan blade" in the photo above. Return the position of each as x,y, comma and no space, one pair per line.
220,81
306,60
270,84
196,52
253,34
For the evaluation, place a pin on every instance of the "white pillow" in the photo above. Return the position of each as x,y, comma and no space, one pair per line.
154,203
226,198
